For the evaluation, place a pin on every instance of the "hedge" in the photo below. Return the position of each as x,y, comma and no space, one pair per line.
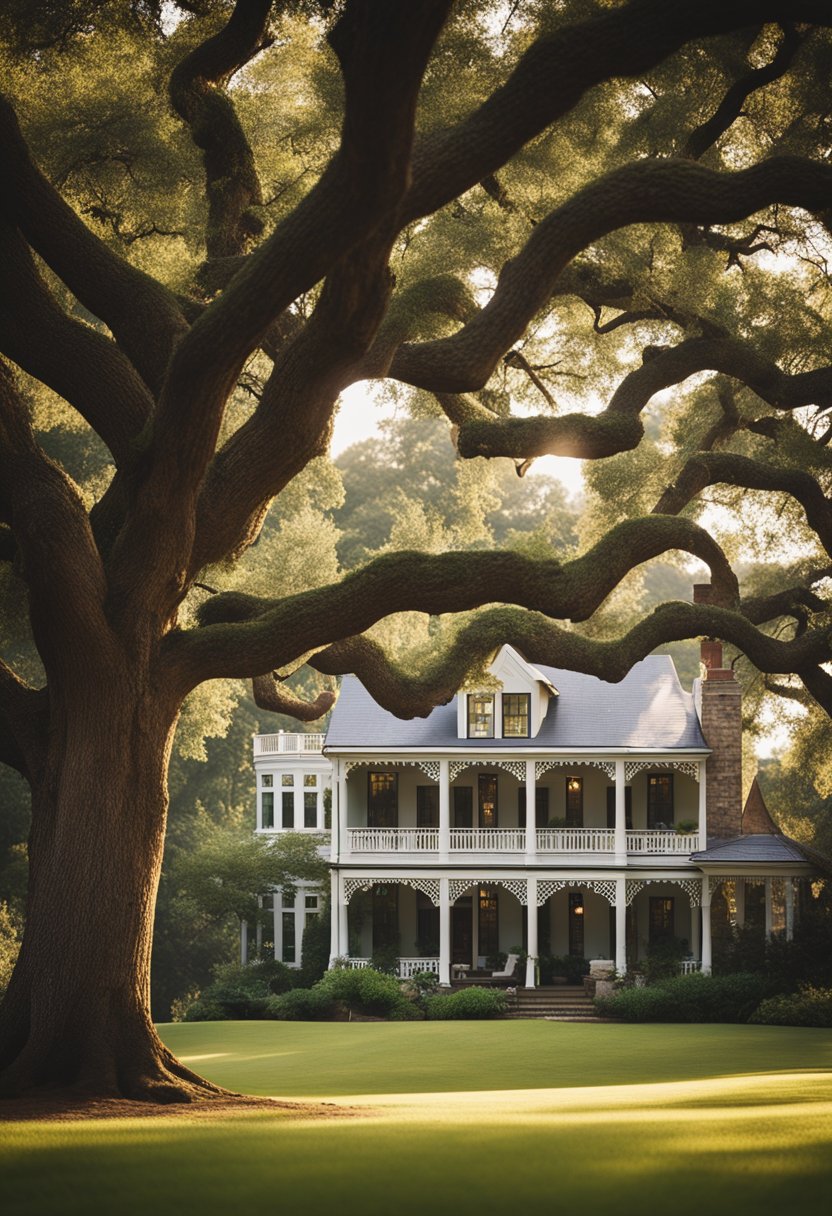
473,1003
809,1007
687,998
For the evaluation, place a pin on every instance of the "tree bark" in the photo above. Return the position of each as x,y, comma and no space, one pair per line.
76,1013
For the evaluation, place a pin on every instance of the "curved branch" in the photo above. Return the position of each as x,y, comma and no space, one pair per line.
649,191
712,468
244,636
540,641
557,70
271,695
232,184
383,50
791,601
142,314
84,367
729,109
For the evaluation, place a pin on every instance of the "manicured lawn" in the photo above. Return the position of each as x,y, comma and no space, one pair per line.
607,1120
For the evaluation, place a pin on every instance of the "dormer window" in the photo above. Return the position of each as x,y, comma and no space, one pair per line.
516,715
481,716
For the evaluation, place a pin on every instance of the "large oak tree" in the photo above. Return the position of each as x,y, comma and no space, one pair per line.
637,195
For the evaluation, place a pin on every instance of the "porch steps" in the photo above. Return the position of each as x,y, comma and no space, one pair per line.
562,1002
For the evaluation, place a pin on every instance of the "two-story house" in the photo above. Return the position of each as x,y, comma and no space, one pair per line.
549,811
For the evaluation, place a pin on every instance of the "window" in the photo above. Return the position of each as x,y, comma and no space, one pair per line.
267,781
267,809
659,800
576,923
427,927
516,715
488,935
310,809
487,789
427,806
382,800
574,802
385,917
463,807
541,806
288,810
481,716
288,937
628,806
287,779
310,780
661,918
310,901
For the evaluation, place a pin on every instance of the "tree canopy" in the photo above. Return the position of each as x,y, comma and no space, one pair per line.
589,229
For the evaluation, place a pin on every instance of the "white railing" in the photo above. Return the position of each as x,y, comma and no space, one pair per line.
662,842
689,965
411,966
487,840
284,742
393,840
356,964
575,840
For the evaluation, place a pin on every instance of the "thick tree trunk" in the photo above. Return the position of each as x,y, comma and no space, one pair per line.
77,1010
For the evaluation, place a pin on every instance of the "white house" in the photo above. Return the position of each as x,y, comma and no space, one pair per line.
637,820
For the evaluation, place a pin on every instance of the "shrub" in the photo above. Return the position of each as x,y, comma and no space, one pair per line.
469,1003
200,1010
809,1007
237,993
301,1005
364,990
315,949
664,957
687,998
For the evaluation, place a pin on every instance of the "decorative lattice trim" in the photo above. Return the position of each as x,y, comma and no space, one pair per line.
458,886
605,887
749,879
517,768
519,888
351,885
428,886
690,768
455,767
606,766
429,767
691,886
633,886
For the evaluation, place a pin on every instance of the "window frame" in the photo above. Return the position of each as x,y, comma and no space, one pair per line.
473,715
526,699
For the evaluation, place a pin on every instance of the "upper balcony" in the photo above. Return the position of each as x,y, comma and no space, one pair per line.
510,843
286,743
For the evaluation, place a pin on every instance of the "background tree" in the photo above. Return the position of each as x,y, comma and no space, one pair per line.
536,260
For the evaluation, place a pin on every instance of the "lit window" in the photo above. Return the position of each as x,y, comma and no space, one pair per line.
287,779
310,780
480,716
515,715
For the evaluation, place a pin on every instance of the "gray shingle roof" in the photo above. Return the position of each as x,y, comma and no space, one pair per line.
751,849
647,710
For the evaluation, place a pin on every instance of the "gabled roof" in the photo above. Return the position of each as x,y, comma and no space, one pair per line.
759,848
648,710
755,815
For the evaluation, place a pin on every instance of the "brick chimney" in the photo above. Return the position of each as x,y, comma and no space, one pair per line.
720,712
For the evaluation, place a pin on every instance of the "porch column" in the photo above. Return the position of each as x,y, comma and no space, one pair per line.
706,926
695,936
334,946
703,803
621,924
343,923
444,812
789,908
277,923
243,942
531,811
739,901
531,936
620,816
768,908
339,836
444,932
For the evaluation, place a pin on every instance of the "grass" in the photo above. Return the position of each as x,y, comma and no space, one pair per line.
457,1118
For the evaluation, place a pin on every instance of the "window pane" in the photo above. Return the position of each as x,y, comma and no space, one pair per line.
287,779
576,923
288,937
310,780
515,715
541,803
310,901
267,781
310,810
427,806
288,820
382,800
661,918
267,804
488,935
574,802
463,806
659,800
488,801
480,716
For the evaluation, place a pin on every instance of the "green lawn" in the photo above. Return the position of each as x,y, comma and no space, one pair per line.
459,1118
